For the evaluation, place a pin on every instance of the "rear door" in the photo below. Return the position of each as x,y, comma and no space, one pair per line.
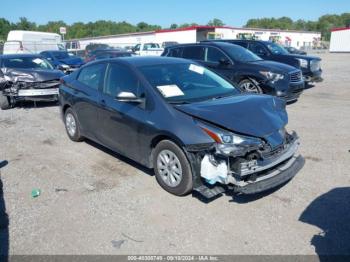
121,121
87,97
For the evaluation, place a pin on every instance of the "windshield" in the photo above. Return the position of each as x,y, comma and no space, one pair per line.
277,49
60,55
186,82
27,62
240,54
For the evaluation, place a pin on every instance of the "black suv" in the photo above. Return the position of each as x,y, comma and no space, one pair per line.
309,65
243,68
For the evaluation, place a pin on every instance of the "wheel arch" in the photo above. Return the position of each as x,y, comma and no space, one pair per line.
160,137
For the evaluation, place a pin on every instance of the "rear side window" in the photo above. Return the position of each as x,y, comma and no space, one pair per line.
175,52
193,52
92,76
214,55
121,79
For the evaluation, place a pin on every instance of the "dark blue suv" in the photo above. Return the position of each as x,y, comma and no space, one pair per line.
309,65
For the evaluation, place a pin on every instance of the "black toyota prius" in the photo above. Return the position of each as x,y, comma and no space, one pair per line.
195,129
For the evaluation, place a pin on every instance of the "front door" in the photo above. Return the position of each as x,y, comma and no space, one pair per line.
121,121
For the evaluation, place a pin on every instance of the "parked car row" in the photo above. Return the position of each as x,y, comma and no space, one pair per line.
243,68
310,65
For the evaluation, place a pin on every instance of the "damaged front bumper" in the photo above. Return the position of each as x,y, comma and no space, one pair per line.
249,176
273,178
46,91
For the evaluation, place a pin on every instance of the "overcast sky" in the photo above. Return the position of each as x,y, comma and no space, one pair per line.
164,13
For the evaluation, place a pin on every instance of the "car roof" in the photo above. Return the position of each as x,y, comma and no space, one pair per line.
217,44
19,55
246,40
138,61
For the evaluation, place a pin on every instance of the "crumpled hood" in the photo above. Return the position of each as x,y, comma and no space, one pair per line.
31,75
72,61
255,115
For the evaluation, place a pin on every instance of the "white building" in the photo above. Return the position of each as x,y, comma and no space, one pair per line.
195,34
340,40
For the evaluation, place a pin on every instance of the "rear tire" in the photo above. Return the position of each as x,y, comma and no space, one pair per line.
172,169
72,126
249,86
4,101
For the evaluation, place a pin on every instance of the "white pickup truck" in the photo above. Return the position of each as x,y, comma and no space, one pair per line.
148,49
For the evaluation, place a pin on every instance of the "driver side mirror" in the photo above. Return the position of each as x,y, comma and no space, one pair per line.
129,97
224,62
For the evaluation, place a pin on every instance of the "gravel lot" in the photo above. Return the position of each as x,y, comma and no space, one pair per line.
97,202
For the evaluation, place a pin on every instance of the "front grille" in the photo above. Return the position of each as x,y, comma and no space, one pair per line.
38,85
296,76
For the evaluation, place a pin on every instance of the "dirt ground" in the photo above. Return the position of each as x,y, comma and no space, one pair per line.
95,202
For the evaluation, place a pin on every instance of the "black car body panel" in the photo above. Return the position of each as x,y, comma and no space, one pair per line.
312,71
286,88
134,129
29,83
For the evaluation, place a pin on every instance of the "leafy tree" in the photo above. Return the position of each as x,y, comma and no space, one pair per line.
216,22
5,27
24,24
173,26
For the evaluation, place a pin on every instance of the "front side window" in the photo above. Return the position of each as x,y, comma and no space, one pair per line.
92,76
175,52
214,55
121,79
257,48
277,49
193,52
137,47
186,82
27,63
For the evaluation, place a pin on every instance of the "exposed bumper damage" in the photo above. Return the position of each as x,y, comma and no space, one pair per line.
248,171
18,85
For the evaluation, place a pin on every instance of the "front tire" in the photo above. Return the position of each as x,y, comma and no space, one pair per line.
250,87
4,102
72,126
172,169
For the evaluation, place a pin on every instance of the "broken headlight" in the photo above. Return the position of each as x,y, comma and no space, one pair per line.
228,143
